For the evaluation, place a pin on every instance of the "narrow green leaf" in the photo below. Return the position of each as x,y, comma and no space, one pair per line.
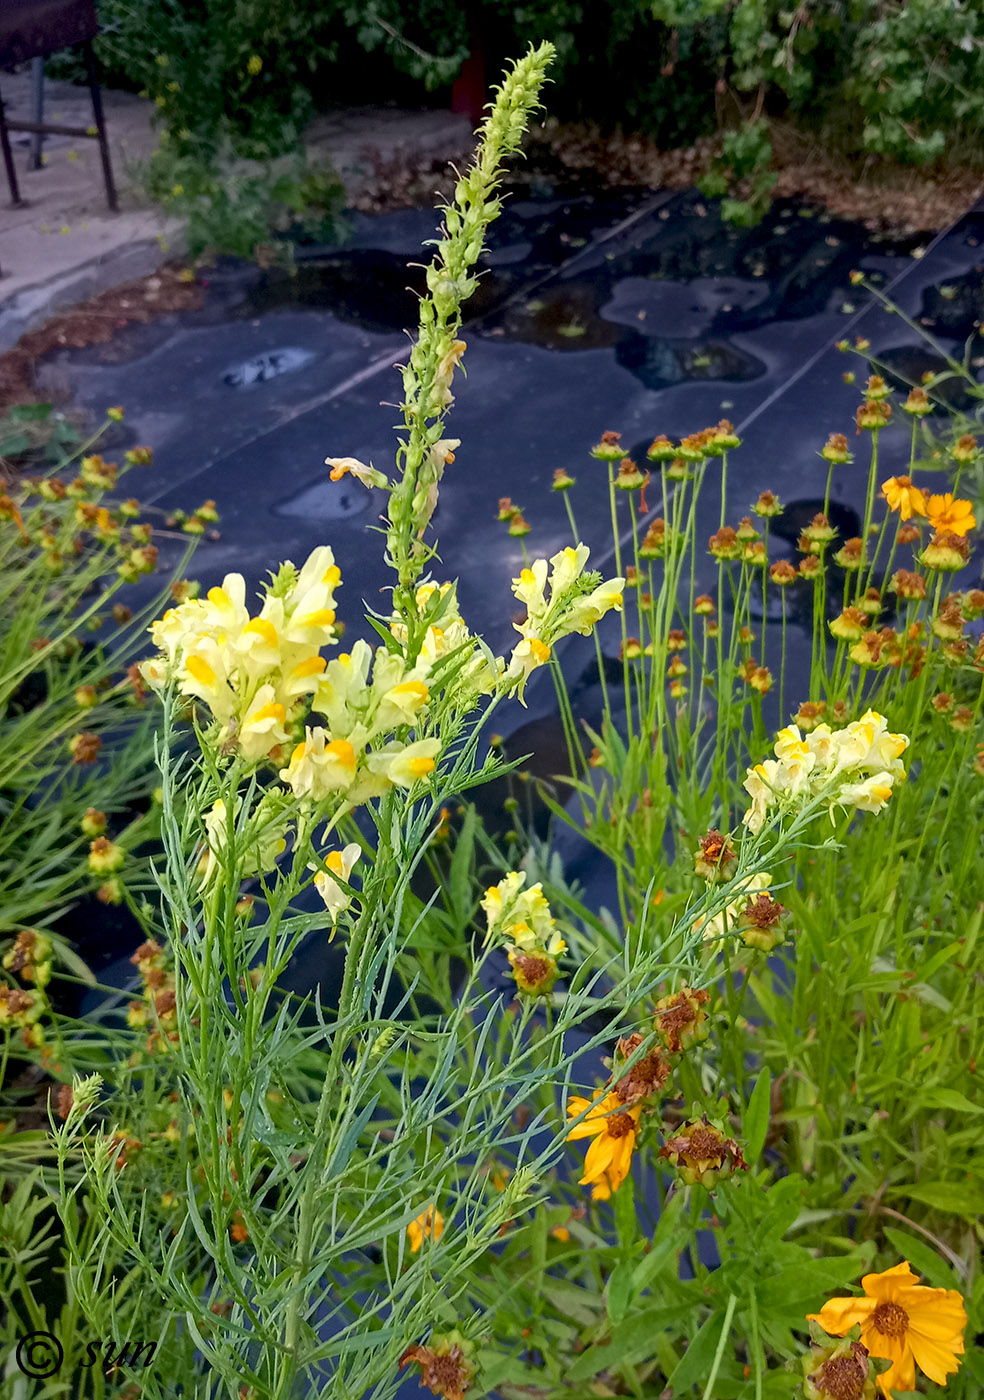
756,1122
923,1258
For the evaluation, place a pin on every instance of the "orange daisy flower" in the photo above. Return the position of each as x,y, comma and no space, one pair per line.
949,515
902,496
613,1126
428,1224
904,1323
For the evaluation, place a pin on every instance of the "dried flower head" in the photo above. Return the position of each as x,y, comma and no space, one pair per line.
681,1021
715,860
646,1077
873,414
609,447
763,923
917,405
810,714
835,450
839,1371
661,449
945,553
851,554
907,584
702,1154
85,748
446,1367
724,544
850,625
768,505
629,477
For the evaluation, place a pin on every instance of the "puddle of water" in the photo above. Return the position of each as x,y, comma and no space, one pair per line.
955,307
262,368
905,366
659,363
325,499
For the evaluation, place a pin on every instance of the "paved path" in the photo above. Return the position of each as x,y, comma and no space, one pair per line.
63,246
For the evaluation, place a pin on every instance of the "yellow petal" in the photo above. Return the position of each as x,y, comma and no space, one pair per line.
200,670
937,1313
885,1286
839,1315
598,1158
934,1359
901,1375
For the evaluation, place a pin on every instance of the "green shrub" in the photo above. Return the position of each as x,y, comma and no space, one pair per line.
76,737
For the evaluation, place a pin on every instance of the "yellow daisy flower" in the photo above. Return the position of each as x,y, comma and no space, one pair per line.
902,496
613,1127
904,1323
949,515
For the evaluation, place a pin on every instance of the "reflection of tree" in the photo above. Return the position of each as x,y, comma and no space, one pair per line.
658,363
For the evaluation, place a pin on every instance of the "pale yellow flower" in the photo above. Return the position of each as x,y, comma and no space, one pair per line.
340,864
405,765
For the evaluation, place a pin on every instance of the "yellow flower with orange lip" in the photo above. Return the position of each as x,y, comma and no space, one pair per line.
903,1322
351,466
429,1224
405,765
303,678
206,676
527,655
320,765
950,515
259,646
340,864
613,1128
904,497
262,727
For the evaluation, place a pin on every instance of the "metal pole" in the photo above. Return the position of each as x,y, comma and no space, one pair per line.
37,112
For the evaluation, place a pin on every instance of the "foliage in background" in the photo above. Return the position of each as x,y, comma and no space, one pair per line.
76,738
843,983
34,434
233,86
765,1049
891,80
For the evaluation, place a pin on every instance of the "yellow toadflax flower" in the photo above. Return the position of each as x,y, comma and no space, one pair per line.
429,1224
345,466
340,863
904,1323
613,1128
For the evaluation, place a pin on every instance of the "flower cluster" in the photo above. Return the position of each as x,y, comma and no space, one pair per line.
30,957
855,767
251,672
560,598
612,1118
523,917
157,1011
260,675
903,1322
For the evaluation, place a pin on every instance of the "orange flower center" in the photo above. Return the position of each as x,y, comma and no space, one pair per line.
619,1125
890,1319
